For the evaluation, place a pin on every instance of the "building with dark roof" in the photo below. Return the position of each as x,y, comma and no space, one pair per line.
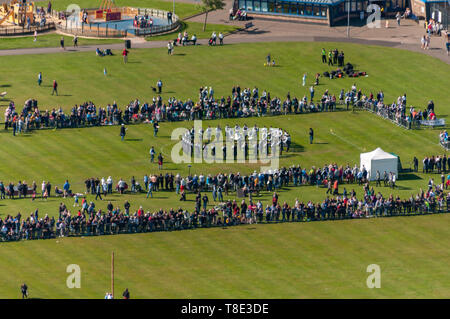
320,11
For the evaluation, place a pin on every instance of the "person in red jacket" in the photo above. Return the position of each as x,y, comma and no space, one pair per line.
125,55
55,87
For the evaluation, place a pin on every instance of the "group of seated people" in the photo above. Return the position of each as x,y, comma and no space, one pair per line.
184,39
100,52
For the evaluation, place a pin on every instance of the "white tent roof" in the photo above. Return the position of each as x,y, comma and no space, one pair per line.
378,154
378,160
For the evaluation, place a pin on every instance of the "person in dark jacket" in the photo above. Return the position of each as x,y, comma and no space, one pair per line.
123,130
126,294
24,289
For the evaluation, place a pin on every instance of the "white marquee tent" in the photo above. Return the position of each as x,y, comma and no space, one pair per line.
379,160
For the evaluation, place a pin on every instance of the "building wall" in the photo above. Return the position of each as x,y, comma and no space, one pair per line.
418,8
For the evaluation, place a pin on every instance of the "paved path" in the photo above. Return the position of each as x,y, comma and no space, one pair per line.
406,36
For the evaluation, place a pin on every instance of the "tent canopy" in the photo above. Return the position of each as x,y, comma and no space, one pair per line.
379,160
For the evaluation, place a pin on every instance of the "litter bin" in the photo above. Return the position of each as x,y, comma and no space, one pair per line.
127,44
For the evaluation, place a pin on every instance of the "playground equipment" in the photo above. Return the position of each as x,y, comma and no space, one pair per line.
17,12
108,11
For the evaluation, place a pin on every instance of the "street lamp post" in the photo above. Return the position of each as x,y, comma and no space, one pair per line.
348,19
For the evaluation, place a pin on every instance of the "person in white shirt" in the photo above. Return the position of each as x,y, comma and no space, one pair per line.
221,38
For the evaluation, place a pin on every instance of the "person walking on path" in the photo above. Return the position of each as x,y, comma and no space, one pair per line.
35,36
55,87
125,55
220,38
75,41
61,42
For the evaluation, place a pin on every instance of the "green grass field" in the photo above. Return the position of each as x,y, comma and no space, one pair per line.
313,260
49,41
296,260
80,75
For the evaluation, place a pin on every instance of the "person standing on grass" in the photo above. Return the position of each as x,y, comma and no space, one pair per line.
125,55
304,79
160,161
126,294
152,154
221,38
311,135
61,42
159,84
35,36
40,78
55,87
169,48
155,128
98,192
75,41
24,290
123,130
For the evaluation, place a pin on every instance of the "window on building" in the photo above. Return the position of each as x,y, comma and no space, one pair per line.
278,7
359,5
316,11
308,10
263,6
293,8
249,5
301,9
241,3
323,11
353,6
256,5
271,6
285,6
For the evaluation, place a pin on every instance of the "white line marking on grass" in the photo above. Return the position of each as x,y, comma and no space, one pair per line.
346,141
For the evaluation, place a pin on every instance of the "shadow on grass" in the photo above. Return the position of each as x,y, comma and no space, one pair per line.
134,139
409,177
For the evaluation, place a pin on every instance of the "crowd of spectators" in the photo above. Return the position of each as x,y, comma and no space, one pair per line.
114,220
243,102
